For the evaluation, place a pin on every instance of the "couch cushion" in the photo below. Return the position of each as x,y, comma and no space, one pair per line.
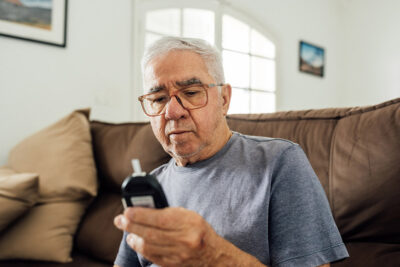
115,145
62,155
44,233
79,260
97,235
18,192
366,174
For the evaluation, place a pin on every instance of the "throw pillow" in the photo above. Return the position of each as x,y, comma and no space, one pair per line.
62,155
44,233
18,192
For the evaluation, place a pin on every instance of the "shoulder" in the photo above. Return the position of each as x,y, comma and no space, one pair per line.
161,169
274,146
252,139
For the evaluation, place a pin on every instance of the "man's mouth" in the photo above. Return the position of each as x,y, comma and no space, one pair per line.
177,132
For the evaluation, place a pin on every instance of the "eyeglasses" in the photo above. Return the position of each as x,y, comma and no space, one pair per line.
190,97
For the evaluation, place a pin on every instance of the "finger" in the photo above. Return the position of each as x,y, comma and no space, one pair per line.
149,233
152,235
158,218
152,252
120,222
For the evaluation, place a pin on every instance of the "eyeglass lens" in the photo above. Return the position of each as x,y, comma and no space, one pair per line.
191,97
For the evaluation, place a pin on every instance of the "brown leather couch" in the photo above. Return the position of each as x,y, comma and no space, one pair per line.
354,151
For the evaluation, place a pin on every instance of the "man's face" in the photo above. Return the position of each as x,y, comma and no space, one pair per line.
187,135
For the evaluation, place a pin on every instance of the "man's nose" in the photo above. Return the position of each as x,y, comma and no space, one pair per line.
174,109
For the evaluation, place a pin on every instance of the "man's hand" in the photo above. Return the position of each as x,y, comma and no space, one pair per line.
176,236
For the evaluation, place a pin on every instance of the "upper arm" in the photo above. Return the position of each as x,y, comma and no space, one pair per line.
299,208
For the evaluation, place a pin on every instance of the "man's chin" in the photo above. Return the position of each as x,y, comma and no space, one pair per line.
184,151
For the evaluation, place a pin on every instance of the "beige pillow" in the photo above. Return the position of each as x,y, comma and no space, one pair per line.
18,192
62,156
44,233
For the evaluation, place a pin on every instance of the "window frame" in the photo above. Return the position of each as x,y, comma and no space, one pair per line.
140,7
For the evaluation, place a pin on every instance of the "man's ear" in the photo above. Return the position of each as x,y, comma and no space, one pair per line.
226,94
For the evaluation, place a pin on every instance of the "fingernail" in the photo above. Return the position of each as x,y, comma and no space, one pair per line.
130,239
120,221
134,241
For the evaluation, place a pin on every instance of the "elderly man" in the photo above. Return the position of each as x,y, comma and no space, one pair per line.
235,200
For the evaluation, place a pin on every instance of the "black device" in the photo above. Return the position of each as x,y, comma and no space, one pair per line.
141,189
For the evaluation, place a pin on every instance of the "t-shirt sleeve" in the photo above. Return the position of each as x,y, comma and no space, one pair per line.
302,231
126,256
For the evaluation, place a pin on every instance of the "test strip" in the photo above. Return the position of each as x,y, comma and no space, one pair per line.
136,166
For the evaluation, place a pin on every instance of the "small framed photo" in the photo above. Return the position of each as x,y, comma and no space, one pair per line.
311,59
42,21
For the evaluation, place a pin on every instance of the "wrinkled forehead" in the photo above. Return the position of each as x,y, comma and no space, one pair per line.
174,68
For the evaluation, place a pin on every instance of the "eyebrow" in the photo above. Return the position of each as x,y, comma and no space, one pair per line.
190,81
156,89
187,82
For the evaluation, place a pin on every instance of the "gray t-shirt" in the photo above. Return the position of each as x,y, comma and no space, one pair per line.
262,195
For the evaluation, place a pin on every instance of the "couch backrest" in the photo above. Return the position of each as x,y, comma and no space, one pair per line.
354,151
115,145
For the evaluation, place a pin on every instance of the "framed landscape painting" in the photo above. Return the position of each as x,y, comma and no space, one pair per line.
311,59
42,21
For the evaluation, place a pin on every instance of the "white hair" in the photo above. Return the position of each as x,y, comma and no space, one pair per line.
210,54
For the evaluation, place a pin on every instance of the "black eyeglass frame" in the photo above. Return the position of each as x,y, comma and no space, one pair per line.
205,86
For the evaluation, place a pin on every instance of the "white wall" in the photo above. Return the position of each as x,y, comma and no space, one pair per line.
40,84
371,41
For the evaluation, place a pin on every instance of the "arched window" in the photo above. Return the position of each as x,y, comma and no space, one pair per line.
248,54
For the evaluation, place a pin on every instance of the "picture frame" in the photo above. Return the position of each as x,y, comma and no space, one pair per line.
311,59
42,21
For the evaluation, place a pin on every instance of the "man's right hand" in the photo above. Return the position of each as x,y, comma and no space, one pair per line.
179,237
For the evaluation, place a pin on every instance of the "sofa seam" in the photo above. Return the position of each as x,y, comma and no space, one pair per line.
280,119
330,170
349,112
140,123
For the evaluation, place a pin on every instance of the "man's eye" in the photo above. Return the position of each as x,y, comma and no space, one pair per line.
191,93
157,99
160,99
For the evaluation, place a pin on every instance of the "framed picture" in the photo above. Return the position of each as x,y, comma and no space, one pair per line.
42,21
311,59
